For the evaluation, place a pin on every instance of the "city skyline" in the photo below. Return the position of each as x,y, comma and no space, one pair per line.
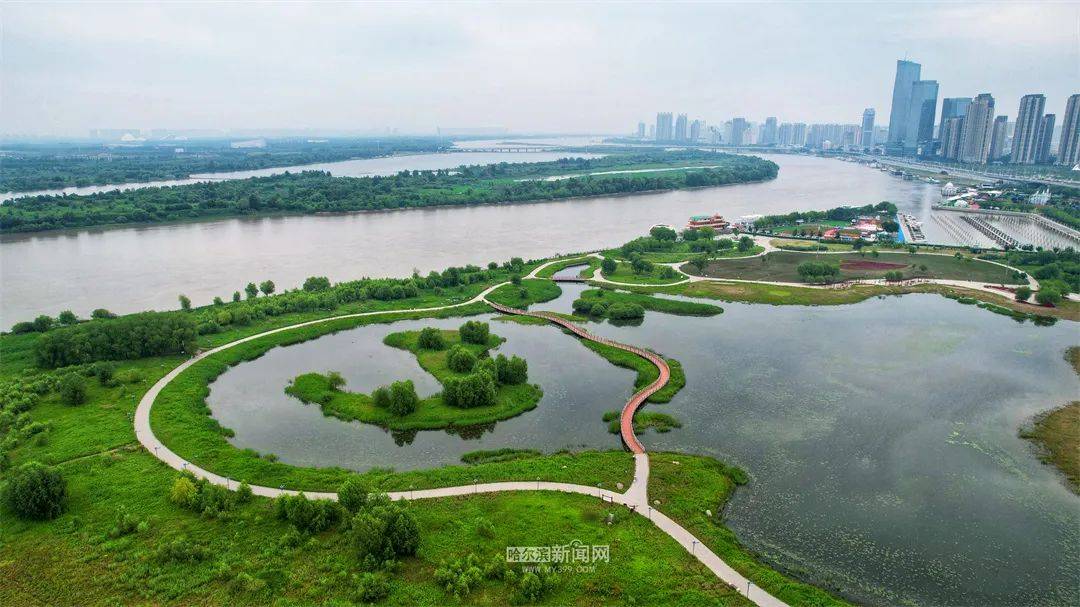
59,59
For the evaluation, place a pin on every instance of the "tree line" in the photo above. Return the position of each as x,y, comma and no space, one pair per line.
319,192
834,214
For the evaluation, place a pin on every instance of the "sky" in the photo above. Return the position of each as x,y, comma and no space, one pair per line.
555,67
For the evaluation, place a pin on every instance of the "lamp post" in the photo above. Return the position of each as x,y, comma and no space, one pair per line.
693,546
476,486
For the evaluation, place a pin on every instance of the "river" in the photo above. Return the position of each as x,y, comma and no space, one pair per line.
880,438
139,268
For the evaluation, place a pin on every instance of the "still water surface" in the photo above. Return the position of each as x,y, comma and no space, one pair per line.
880,437
132,269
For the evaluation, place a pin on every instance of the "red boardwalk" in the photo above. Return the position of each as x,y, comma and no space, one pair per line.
638,399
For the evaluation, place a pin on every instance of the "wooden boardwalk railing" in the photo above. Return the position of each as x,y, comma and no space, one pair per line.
626,419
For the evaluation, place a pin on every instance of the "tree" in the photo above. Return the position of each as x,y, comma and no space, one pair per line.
315,284
1048,296
101,313
1023,293
663,233
43,323
515,279
218,301
185,303
460,359
236,296
700,262
641,265
35,491
67,317
815,271
625,311
690,234
267,287
609,265
251,290
725,244
475,332
72,389
403,398
431,338
745,244
513,370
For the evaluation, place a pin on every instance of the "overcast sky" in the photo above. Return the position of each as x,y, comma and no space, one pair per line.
552,67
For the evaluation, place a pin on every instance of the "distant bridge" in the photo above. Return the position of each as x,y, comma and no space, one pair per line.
511,149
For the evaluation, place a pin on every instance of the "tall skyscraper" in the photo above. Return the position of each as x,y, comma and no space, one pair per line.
697,129
907,72
798,134
952,107
1026,135
680,128
1042,141
652,131
769,134
785,134
866,133
664,129
951,137
1069,150
641,130
739,126
920,115
997,138
978,129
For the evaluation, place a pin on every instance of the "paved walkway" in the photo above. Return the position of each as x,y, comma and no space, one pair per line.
635,497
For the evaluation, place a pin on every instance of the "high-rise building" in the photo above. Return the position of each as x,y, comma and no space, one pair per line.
641,130
798,134
920,115
1026,135
907,72
977,131
1069,149
652,131
697,128
952,107
998,136
739,128
866,133
769,134
665,131
1042,142
951,136
784,134
680,128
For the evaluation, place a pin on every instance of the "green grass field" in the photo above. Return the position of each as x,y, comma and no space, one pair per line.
681,251
623,273
530,291
781,267
655,304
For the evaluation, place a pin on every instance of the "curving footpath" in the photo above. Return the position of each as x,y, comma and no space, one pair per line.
635,497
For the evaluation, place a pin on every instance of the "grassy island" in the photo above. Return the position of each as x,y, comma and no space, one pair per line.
432,412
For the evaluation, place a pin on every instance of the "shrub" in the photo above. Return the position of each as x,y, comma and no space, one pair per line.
72,390
1023,293
817,271
308,516
381,397
101,313
474,390
104,371
316,284
371,588
626,311
384,530
513,370
598,309
183,492
475,332
181,550
431,339
125,523
353,494
608,265
403,398
35,491
67,317
131,337
460,359
1047,296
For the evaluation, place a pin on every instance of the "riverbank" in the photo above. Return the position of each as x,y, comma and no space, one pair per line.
1056,433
